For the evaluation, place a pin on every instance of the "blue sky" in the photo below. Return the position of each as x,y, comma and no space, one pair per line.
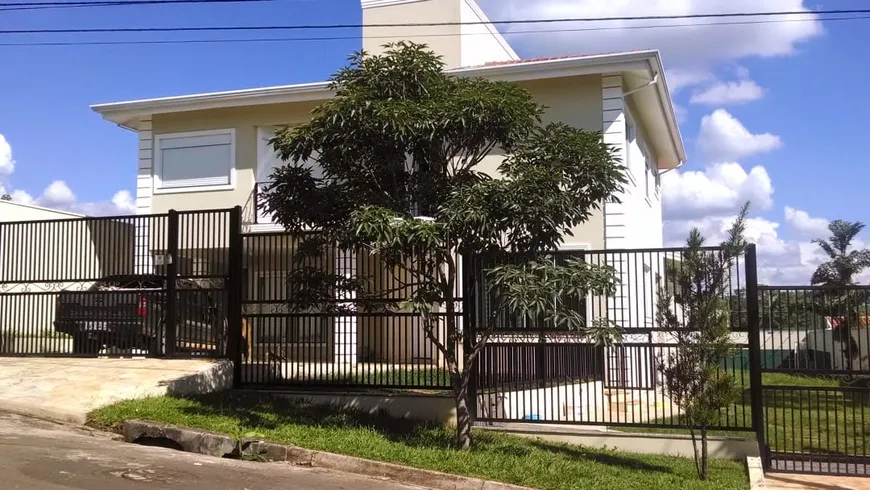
797,89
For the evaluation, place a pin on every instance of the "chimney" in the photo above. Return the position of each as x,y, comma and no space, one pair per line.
474,43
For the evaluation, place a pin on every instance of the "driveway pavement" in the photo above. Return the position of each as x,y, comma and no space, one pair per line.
39,455
67,389
789,481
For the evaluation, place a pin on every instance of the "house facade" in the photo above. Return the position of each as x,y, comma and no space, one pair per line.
211,151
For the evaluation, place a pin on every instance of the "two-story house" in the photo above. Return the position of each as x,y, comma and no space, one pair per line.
210,150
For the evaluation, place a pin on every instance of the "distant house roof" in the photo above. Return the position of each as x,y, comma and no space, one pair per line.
836,321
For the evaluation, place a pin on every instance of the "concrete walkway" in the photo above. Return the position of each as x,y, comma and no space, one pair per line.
783,481
67,389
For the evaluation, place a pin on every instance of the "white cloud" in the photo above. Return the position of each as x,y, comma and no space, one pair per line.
780,261
681,112
124,202
57,194
7,164
720,190
691,44
679,78
723,138
23,197
722,93
803,223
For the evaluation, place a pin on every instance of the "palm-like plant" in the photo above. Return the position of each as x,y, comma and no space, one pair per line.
839,274
844,264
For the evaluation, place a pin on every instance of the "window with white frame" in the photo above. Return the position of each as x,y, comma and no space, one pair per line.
648,172
630,138
199,160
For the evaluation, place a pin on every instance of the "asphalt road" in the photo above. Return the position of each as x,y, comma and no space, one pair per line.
38,455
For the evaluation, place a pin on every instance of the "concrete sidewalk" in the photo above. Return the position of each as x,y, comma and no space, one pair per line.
67,389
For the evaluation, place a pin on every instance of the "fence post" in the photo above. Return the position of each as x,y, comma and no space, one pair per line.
469,320
171,261
234,293
754,333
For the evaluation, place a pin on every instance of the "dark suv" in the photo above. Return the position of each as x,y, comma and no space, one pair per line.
130,312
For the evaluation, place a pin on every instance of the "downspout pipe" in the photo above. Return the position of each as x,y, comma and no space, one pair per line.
652,82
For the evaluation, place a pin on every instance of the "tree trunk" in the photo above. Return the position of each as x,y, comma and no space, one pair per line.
705,470
697,459
463,414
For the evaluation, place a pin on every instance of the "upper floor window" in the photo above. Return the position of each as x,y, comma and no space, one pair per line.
202,160
630,139
651,174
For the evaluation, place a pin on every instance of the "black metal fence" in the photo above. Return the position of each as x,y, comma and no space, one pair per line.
102,286
354,337
192,284
533,372
816,378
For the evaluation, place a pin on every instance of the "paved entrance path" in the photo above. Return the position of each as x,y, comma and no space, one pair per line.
777,481
46,456
67,389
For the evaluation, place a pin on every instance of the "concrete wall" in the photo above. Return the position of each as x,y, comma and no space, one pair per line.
575,101
459,45
734,448
429,408
561,403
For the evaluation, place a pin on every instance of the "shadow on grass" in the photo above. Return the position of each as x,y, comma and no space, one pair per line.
608,458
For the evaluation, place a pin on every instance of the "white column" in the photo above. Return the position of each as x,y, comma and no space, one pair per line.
144,192
344,328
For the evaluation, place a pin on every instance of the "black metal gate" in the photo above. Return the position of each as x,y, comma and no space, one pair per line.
151,285
815,364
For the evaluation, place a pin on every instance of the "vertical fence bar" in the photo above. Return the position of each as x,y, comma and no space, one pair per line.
171,261
234,292
755,390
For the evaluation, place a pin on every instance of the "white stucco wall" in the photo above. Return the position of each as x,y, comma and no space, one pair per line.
635,222
458,44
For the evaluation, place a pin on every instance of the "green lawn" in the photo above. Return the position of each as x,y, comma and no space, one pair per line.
812,420
511,459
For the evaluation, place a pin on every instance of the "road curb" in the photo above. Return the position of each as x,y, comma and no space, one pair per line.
220,445
756,473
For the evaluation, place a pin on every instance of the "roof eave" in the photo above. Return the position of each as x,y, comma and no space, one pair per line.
667,107
127,114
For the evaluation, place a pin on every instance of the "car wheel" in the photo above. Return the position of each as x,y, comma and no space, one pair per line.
85,347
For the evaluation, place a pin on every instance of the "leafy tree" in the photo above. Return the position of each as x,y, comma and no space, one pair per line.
699,319
401,148
5,197
840,300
